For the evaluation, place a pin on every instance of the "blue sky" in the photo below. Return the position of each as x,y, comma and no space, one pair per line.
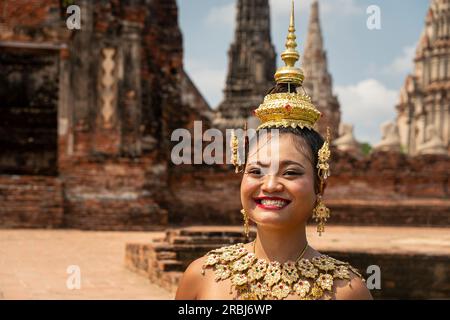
368,67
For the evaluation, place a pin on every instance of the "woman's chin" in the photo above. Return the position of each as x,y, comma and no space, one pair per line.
271,218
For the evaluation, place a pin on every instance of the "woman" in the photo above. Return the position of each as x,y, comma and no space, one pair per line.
282,186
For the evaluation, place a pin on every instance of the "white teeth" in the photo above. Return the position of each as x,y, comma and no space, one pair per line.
277,203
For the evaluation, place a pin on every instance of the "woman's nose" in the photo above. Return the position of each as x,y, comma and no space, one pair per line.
271,184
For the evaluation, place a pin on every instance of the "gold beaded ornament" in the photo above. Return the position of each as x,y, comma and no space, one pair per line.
257,279
321,213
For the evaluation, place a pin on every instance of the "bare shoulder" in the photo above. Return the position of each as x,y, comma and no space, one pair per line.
353,289
191,281
347,289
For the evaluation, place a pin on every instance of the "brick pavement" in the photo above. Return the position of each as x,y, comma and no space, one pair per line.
33,265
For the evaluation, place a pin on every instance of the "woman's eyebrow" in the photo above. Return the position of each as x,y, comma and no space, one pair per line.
282,163
289,162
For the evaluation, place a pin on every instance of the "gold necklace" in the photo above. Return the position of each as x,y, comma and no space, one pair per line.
297,260
258,279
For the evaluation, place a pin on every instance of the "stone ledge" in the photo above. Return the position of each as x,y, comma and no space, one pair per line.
390,212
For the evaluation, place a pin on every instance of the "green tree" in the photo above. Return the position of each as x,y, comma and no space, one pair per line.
366,148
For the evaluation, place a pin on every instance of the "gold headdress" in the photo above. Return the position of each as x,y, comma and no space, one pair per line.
290,109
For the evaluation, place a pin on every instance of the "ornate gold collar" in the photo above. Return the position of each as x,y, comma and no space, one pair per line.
257,279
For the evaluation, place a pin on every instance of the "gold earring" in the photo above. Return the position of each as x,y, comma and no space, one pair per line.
235,152
246,226
321,213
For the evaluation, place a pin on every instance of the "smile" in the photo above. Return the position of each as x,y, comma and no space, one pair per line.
271,203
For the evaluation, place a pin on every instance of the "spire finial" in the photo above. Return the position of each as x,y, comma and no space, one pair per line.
292,25
289,73
291,109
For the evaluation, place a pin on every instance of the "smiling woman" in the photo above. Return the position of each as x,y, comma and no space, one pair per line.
282,186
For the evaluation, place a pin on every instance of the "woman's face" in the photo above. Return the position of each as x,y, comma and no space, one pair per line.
283,195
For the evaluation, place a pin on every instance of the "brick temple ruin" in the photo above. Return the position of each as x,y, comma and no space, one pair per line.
87,114
423,110
85,136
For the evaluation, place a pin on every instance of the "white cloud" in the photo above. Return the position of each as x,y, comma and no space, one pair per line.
402,64
208,80
222,15
367,105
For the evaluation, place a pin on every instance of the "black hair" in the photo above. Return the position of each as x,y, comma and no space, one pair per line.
284,87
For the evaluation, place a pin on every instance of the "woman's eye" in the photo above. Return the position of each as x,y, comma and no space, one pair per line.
254,171
292,173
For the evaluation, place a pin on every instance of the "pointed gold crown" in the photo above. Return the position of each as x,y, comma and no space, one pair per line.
290,109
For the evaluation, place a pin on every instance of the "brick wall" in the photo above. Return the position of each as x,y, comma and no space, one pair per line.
405,276
389,176
30,202
383,189
30,19
113,195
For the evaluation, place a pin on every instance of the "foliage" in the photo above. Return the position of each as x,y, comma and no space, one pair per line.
366,148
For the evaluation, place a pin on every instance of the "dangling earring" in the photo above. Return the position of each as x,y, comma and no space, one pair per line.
321,213
234,144
235,152
246,226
